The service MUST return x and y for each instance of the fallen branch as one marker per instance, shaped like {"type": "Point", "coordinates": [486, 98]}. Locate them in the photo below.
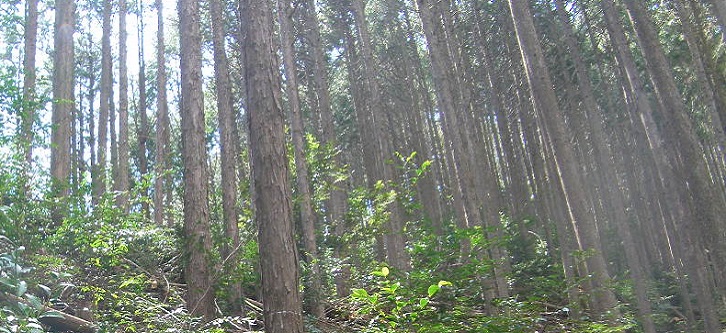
{"type": "Point", "coordinates": [62, 322]}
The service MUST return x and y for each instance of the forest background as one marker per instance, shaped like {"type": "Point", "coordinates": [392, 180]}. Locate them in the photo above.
{"type": "Point", "coordinates": [372, 166]}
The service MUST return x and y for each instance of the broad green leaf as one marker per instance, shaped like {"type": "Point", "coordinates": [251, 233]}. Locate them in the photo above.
{"type": "Point", "coordinates": [34, 301]}
{"type": "Point", "coordinates": [433, 289]}
{"type": "Point", "coordinates": [423, 302]}
{"type": "Point", "coordinates": [51, 314]}
{"type": "Point", "coordinates": [46, 290]}
{"type": "Point", "coordinates": [359, 293]}
{"type": "Point", "coordinates": [22, 288]}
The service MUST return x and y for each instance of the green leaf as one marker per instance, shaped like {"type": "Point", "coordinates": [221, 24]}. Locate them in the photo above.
{"type": "Point", "coordinates": [22, 288]}
{"type": "Point", "coordinates": [422, 303]}
{"type": "Point", "coordinates": [359, 293]}
{"type": "Point", "coordinates": [433, 289]}
{"type": "Point", "coordinates": [383, 272]}
{"type": "Point", "coordinates": [46, 290]}
{"type": "Point", "coordinates": [34, 301]}
{"type": "Point", "coordinates": [7, 282]}
{"type": "Point", "coordinates": [51, 314]}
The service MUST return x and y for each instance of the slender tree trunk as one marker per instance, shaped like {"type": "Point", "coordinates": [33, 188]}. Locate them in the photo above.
{"type": "Point", "coordinates": [143, 129]}
{"type": "Point", "coordinates": [198, 241]}
{"type": "Point", "coordinates": [163, 126]}
{"type": "Point", "coordinates": [337, 203]}
{"type": "Point", "coordinates": [395, 239]}
{"type": "Point", "coordinates": [228, 150]}
{"type": "Point", "coordinates": [121, 182]}
{"type": "Point", "coordinates": [278, 255]}
{"type": "Point", "coordinates": [606, 170]}
{"type": "Point", "coordinates": [546, 104]}
{"type": "Point", "coordinates": [707, 205]}
{"type": "Point", "coordinates": [63, 102]}
{"type": "Point", "coordinates": [307, 215]}
{"type": "Point", "coordinates": [99, 172]}
{"type": "Point", "coordinates": [29, 81]}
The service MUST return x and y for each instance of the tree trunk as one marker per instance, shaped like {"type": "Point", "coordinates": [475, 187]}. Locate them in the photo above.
{"type": "Point", "coordinates": [307, 216]}
{"type": "Point", "coordinates": [63, 102]}
{"type": "Point", "coordinates": [278, 255]}
{"type": "Point", "coordinates": [546, 104]}
{"type": "Point", "coordinates": [99, 172]}
{"type": "Point", "coordinates": [143, 129]}
{"type": "Point", "coordinates": [121, 182]}
{"type": "Point", "coordinates": [163, 126]}
{"type": "Point", "coordinates": [395, 239]}
{"type": "Point", "coordinates": [228, 151]}
{"type": "Point", "coordinates": [337, 203]}
{"type": "Point", "coordinates": [198, 241]}
{"type": "Point", "coordinates": [29, 81]}
{"type": "Point", "coordinates": [690, 163]}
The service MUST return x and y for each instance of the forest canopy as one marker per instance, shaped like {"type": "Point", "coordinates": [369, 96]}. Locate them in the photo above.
{"type": "Point", "coordinates": [362, 166]}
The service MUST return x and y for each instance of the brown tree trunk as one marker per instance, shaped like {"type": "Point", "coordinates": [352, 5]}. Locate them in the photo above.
{"type": "Point", "coordinates": [690, 163]}
{"type": "Point", "coordinates": [143, 130]}
{"type": "Point", "coordinates": [163, 126]}
{"type": "Point", "coordinates": [546, 104]}
{"type": "Point", "coordinates": [228, 151]}
{"type": "Point", "coordinates": [307, 216]}
{"type": "Point", "coordinates": [337, 203]}
{"type": "Point", "coordinates": [198, 241]}
{"type": "Point", "coordinates": [121, 181]}
{"type": "Point", "coordinates": [63, 102]}
{"type": "Point", "coordinates": [29, 81]}
{"type": "Point", "coordinates": [606, 169]}
{"type": "Point", "coordinates": [395, 239]}
{"type": "Point", "coordinates": [99, 172]}
{"type": "Point", "coordinates": [278, 254]}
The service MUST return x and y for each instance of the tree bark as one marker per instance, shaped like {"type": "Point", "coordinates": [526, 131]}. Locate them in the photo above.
{"type": "Point", "coordinates": [29, 81]}
{"type": "Point", "coordinates": [278, 255]}
{"type": "Point", "coordinates": [395, 239]}
{"type": "Point", "coordinates": [546, 105]}
{"type": "Point", "coordinates": [63, 102]}
{"type": "Point", "coordinates": [143, 129]}
{"type": "Point", "coordinates": [163, 126]}
{"type": "Point", "coordinates": [198, 241]}
{"type": "Point", "coordinates": [228, 150]}
{"type": "Point", "coordinates": [121, 182]}
{"type": "Point", "coordinates": [307, 216]}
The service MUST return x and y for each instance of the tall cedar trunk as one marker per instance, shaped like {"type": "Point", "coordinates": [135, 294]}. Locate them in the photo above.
{"type": "Point", "coordinates": [228, 150]}
{"type": "Point", "coordinates": [29, 71]}
{"type": "Point", "coordinates": [395, 239]}
{"type": "Point", "coordinates": [312, 295]}
{"type": "Point", "coordinates": [642, 115]}
{"type": "Point", "coordinates": [336, 205]}
{"type": "Point", "coordinates": [278, 254]}
{"type": "Point", "coordinates": [546, 104]}
{"type": "Point", "coordinates": [143, 128]}
{"type": "Point", "coordinates": [113, 135]}
{"type": "Point", "coordinates": [99, 172]}
{"type": "Point", "coordinates": [467, 213]}
{"type": "Point", "coordinates": [163, 126]}
{"type": "Point", "coordinates": [198, 241]}
{"type": "Point", "coordinates": [121, 182]}
{"type": "Point", "coordinates": [689, 23]}
{"type": "Point", "coordinates": [606, 172]}
{"type": "Point", "coordinates": [690, 164]}
{"type": "Point", "coordinates": [63, 102]}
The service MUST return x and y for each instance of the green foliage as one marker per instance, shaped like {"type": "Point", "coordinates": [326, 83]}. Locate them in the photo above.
{"type": "Point", "coordinates": [21, 310]}
{"type": "Point", "coordinates": [391, 307]}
